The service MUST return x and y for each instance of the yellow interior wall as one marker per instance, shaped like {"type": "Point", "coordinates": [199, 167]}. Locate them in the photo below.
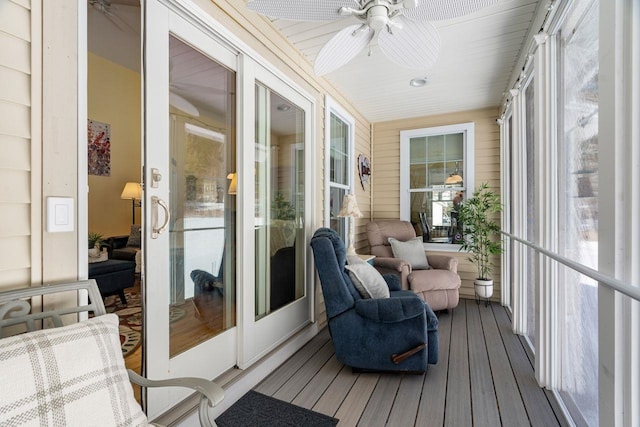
{"type": "Point", "coordinates": [114, 98]}
{"type": "Point", "coordinates": [385, 175]}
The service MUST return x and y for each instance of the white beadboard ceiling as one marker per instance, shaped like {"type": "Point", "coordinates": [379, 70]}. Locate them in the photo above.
{"type": "Point", "coordinates": [477, 58]}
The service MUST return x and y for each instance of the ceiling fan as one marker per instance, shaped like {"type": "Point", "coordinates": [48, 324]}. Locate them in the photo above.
{"type": "Point", "coordinates": [109, 9]}
{"type": "Point", "coordinates": [404, 34]}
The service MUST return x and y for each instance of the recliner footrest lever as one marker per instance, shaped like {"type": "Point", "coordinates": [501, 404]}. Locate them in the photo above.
{"type": "Point", "coordinates": [399, 358]}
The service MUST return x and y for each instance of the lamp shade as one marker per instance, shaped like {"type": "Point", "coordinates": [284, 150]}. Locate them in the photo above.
{"type": "Point", "coordinates": [233, 185]}
{"type": "Point", "coordinates": [132, 190]}
{"type": "Point", "coordinates": [453, 179]}
{"type": "Point", "coordinates": [350, 207]}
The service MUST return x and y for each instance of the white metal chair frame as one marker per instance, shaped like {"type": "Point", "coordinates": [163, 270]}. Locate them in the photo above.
{"type": "Point", "coordinates": [15, 309]}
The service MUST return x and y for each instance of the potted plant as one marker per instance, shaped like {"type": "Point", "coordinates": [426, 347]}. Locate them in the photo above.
{"type": "Point", "coordinates": [481, 239]}
{"type": "Point", "coordinates": [94, 242]}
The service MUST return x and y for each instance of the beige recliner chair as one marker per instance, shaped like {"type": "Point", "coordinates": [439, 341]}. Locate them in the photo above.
{"type": "Point", "coordinates": [437, 286]}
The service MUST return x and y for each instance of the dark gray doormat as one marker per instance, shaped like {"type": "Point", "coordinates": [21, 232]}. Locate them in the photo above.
{"type": "Point", "coordinates": [258, 410]}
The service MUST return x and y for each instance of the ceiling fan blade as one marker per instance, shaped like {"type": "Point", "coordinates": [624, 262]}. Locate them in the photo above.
{"type": "Point", "coordinates": [436, 10]}
{"type": "Point", "coordinates": [342, 48]}
{"type": "Point", "coordinates": [182, 104]}
{"type": "Point", "coordinates": [302, 10]}
{"type": "Point", "coordinates": [190, 87]}
{"type": "Point", "coordinates": [415, 46]}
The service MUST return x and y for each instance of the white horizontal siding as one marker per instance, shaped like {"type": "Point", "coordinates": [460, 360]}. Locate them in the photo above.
{"type": "Point", "coordinates": [20, 224]}
{"type": "Point", "coordinates": [15, 144]}
{"type": "Point", "coordinates": [15, 20]}
{"type": "Point", "coordinates": [16, 119]}
{"type": "Point", "coordinates": [24, 3]}
{"type": "Point", "coordinates": [15, 86]}
{"type": "Point", "coordinates": [13, 279]}
{"type": "Point", "coordinates": [15, 53]}
{"type": "Point", "coordinates": [15, 253]}
{"type": "Point", "coordinates": [16, 153]}
{"type": "Point", "coordinates": [15, 187]}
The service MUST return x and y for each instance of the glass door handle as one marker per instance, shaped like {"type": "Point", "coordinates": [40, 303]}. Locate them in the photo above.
{"type": "Point", "coordinates": [155, 202]}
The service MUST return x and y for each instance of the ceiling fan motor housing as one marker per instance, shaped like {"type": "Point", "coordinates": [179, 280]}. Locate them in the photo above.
{"type": "Point", "coordinates": [377, 16]}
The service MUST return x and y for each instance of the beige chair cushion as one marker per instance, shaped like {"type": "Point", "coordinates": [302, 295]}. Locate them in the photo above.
{"type": "Point", "coordinates": [431, 280]}
{"type": "Point", "coordinates": [438, 286]}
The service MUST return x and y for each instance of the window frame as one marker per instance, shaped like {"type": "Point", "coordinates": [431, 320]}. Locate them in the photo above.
{"type": "Point", "coordinates": [468, 144]}
{"type": "Point", "coordinates": [333, 108]}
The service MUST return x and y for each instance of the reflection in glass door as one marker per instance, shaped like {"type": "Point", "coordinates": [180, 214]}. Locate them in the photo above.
{"type": "Point", "coordinates": [339, 172]}
{"type": "Point", "coordinates": [202, 227]}
{"type": "Point", "coordinates": [279, 198]}
{"type": "Point", "coordinates": [190, 149]}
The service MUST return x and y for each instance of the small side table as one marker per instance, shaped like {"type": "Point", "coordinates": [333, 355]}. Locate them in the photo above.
{"type": "Point", "coordinates": [367, 258]}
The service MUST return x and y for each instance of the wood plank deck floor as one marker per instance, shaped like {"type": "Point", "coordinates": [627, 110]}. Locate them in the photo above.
{"type": "Point", "coordinates": [483, 378]}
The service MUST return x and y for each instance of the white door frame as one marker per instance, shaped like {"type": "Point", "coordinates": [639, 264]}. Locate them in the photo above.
{"type": "Point", "coordinates": [197, 361]}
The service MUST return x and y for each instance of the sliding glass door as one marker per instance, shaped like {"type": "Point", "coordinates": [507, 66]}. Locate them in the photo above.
{"type": "Point", "coordinates": [276, 168]}
{"type": "Point", "coordinates": [190, 211]}
{"type": "Point", "coordinates": [226, 158]}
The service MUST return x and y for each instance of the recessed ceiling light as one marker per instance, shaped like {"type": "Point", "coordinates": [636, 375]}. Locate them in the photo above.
{"type": "Point", "coordinates": [418, 82]}
{"type": "Point", "coordinates": [284, 107]}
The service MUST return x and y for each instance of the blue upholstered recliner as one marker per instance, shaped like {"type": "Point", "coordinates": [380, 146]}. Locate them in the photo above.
{"type": "Point", "coordinates": [398, 333]}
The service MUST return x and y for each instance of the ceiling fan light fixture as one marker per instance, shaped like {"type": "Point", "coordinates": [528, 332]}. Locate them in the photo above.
{"type": "Point", "coordinates": [284, 107]}
{"type": "Point", "coordinates": [377, 17]}
{"type": "Point", "coordinates": [418, 82]}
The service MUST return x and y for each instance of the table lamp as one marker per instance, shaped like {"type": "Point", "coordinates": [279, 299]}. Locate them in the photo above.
{"type": "Point", "coordinates": [133, 191]}
{"type": "Point", "coordinates": [350, 210]}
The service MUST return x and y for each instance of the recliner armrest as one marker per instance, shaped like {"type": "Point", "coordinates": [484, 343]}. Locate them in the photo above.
{"type": "Point", "coordinates": [390, 310]}
{"type": "Point", "coordinates": [396, 264]}
{"type": "Point", "coordinates": [443, 262]}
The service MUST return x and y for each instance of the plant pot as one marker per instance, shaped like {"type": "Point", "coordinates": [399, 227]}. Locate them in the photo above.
{"type": "Point", "coordinates": [94, 252]}
{"type": "Point", "coordinates": [483, 288]}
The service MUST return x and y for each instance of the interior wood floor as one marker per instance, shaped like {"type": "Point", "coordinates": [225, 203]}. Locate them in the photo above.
{"type": "Point", "coordinates": [484, 377]}
{"type": "Point", "coordinates": [202, 320]}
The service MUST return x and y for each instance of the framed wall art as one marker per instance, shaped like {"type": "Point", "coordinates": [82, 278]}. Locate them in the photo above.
{"type": "Point", "coordinates": [99, 148]}
{"type": "Point", "coordinates": [364, 170]}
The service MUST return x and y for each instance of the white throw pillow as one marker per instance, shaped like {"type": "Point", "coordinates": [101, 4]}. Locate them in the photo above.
{"type": "Point", "coordinates": [367, 280]}
{"type": "Point", "coordinates": [412, 251]}
{"type": "Point", "coordinates": [73, 375]}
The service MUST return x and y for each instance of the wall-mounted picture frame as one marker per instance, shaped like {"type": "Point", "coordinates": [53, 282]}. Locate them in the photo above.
{"type": "Point", "coordinates": [99, 148]}
{"type": "Point", "coordinates": [364, 170]}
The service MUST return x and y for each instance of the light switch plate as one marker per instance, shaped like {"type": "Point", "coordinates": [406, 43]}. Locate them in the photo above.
{"type": "Point", "coordinates": [60, 214]}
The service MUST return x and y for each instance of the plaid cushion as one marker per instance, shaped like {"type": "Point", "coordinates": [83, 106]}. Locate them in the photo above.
{"type": "Point", "coordinates": [69, 376]}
